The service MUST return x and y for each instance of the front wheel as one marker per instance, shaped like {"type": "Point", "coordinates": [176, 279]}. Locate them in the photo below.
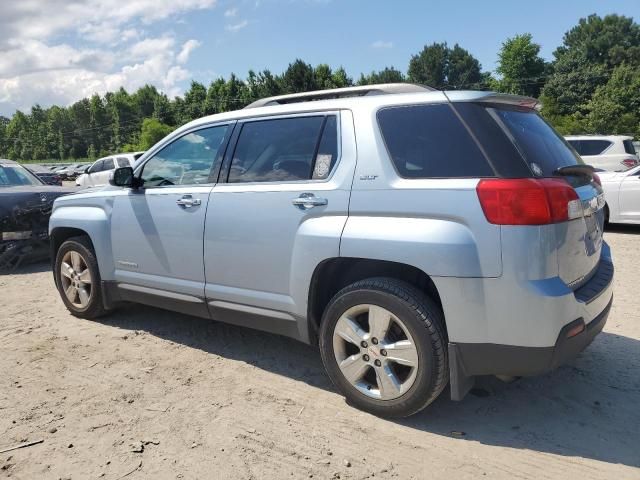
{"type": "Point", "coordinates": [383, 344]}
{"type": "Point", "coordinates": [78, 278]}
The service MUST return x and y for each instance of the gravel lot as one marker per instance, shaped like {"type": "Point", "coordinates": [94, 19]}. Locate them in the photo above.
{"type": "Point", "coordinates": [150, 394]}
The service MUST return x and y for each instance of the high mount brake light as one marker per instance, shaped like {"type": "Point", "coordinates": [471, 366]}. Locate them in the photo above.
{"type": "Point", "coordinates": [528, 201]}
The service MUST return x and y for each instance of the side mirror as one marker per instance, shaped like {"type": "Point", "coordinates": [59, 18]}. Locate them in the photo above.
{"type": "Point", "coordinates": [122, 177]}
{"type": "Point", "coordinates": [86, 170]}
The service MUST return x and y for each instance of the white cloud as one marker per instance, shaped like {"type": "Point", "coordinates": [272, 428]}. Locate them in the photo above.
{"type": "Point", "coordinates": [382, 44]}
{"type": "Point", "coordinates": [237, 26]}
{"type": "Point", "coordinates": [58, 51]}
{"type": "Point", "coordinates": [188, 47]}
{"type": "Point", "coordinates": [231, 12]}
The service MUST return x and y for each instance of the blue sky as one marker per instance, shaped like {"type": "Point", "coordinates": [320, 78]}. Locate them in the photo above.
{"type": "Point", "coordinates": [57, 51]}
{"type": "Point", "coordinates": [345, 33]}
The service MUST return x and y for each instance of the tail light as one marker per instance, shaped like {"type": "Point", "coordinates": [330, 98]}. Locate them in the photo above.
{"type": "Point", "coordinates": [629, 162]}
{"type": "Point", "coordinates": [528, 201]}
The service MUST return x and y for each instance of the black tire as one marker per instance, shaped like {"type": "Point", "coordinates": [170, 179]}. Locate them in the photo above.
{"type": "Point", "coordinates": [422, 317]}
{"type": "Point", "coordinates": [94, 307]}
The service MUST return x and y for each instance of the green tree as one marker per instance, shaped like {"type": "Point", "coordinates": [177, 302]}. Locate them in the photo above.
{"type": "Point", "coordinates": [152, 132]}
{"type": "Point", "coordinates": [388, 75]}
{"type": "Point", "coordinates": [299, 77]}
{"type": "Point", "coordinates": [615, 107]}
{"type": "Point", "coordinates": [442, 67]}
{"type": "Point", "coordinates": [585, 61]}
{"type": "Point", "coordinates": [520, 66]}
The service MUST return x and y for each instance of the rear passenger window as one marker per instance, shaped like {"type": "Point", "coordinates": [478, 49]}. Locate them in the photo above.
{"type": "Point", "coordinates": [286, 149]}
{"type": "Point", "coordinates": [429, 141]}
{"type": "Point", "coordinates": [590, 147]}
{"type": "Point", "coordinates": [123, 162]}
{"type": "Point", "coordinates": [108, 164]}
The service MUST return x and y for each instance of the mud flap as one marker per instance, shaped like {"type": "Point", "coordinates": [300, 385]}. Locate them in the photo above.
{"type": "Point", "coordinates": [460, 383]}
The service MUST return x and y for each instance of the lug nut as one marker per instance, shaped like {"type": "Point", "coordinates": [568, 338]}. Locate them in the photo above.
{"type": "Point", "coordinates": [365, 357]}
{"type": "Point", "coordinates": [364, 344]}
{"type": "Point", "coordinates": [374, 340]}
{"type": "Point", "coordinates": [377, 363]}
{"type": "Point", "coordinates": [383, 352]}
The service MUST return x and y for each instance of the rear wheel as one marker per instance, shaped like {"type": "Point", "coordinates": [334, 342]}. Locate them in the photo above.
{"type": "Point", "coordinates": [78, 278]}
{"type": "Point", "coordinates": [383, 345]}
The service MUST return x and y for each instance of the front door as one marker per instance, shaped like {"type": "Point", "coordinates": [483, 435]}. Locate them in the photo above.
{"type": "Point", "coordinates": [280, 211]}
{"type": "Point", "coordinates": [630, 197]}
{"type": "Point", "coordinates": [157, 230]}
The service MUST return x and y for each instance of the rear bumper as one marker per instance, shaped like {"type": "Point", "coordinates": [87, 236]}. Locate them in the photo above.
{"type": "Point", "coordinates": [467, 360]}
{"type": "Point", "coordinates": [511, 360]}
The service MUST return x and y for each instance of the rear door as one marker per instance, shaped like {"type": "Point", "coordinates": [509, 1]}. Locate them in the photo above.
{"type": "Point", "coordinates": [280, 206]}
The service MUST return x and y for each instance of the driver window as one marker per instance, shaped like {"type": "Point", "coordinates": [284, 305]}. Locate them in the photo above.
{"type": "Point", "coordinates": [96, 167]}
{"type": "Point", "coordinates": [186, 161]}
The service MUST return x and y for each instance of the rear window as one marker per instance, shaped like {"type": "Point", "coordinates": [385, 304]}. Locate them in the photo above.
{"type": "Point", "coordinates": [590, 147]}
{"type": "Point", "coordinates": [429, 141]}
{"type": "Point", "coordinates": [541, 146]}
{"type": "Point", "coordinates": [629, 147]}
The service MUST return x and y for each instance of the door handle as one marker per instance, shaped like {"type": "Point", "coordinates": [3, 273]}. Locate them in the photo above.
{"type": "Point", "coordinates": [308, 200]}
{"type": "Point", "coordinates": [187, 201]}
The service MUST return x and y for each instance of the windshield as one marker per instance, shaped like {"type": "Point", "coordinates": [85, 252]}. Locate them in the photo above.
{"type": "Point", "coordinates": [17, 176]}
{"type": "Point", "coordinates": [544, 150]}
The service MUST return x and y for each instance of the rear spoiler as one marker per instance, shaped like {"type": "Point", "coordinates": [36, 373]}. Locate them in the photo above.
{"type": "Point", "coordinates": [494, 97]}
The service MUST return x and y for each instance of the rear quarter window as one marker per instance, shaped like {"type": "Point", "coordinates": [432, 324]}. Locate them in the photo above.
{"type": "Point", "coordinates": [629, 147]}
{"type": "Point", "coordinates": [430, 141]}
{"type": "Point", "coordinates": [542, 148]}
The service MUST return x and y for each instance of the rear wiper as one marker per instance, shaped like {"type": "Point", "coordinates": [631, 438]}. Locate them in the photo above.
{"type": "Point", "coordinates": [575, 170]}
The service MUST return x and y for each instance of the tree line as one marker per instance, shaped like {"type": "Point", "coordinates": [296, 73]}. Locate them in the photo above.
{"type": "Point", "coordinates": [592, 85]}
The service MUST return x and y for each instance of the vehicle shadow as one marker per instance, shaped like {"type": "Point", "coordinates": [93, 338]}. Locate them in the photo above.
{"type": "Point", "coordinates": [587, 409]}
{"type": "Point", "coordinates": [28, 267]}
{"type": "Point", "coordinates": [622, 228]}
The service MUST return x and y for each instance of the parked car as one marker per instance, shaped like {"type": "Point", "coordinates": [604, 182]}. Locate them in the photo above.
{"type": "Point", "coordinates": [98, 173]}
{"type": "Point", "coordinates": [622, 192]}
{"type": "Point", "coordinates": [419, 237]}
{"type": "Point", "coordinates": [45, 174]}
{"type": "Point", "coordinates": [615, 153]}
{"type": "Point", "coordinates": [72, 171]}
{"type": "Point", "coordinates": [25, 206]}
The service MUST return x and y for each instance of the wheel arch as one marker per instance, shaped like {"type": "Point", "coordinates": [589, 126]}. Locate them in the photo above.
{"type": "Point", "coordinates": [333, 274]}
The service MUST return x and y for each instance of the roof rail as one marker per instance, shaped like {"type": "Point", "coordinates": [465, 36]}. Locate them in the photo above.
{"type": "Point", "coordinates": [365, 90]}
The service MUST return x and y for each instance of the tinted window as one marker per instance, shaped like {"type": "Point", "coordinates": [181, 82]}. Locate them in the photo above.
{"type": "Point", "coordinates": [123, 162]}
{"type": "Point", "coordinates": [430, 141]}
{"type": "Point", "coordinates": [590, 147]}
{"type": "Point", "coordinates": [186, 161]}
{"type": "Point", "coordinates": [108, 164]}
{"type": "Point", "coordinates": [278, 150]}
{"type": "Point", "coordinates": [542, 148]}
{"type": "Point", "coordinates": [97, 167]}
{"type": "Point", "coordinates": [15, 175]}
{"type": "Point", "coordinates": [629, 147]}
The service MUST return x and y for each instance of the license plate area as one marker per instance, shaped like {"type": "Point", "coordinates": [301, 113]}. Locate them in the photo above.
{"type": "Point", "coordinates": [593, 237]}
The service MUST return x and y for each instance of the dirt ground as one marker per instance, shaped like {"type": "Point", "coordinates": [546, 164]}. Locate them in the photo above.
{"type": "Point", "coordinates": [145, 393]}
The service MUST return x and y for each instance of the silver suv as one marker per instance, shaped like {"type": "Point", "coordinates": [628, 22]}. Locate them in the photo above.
{"type": "Point", "coordinates": [421, 238]}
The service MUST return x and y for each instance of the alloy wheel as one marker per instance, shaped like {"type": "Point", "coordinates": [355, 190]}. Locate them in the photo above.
{"type": "Point", "coordinates": [375, 352]}
{"type": "Point", "coordinates": [75, 278]}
